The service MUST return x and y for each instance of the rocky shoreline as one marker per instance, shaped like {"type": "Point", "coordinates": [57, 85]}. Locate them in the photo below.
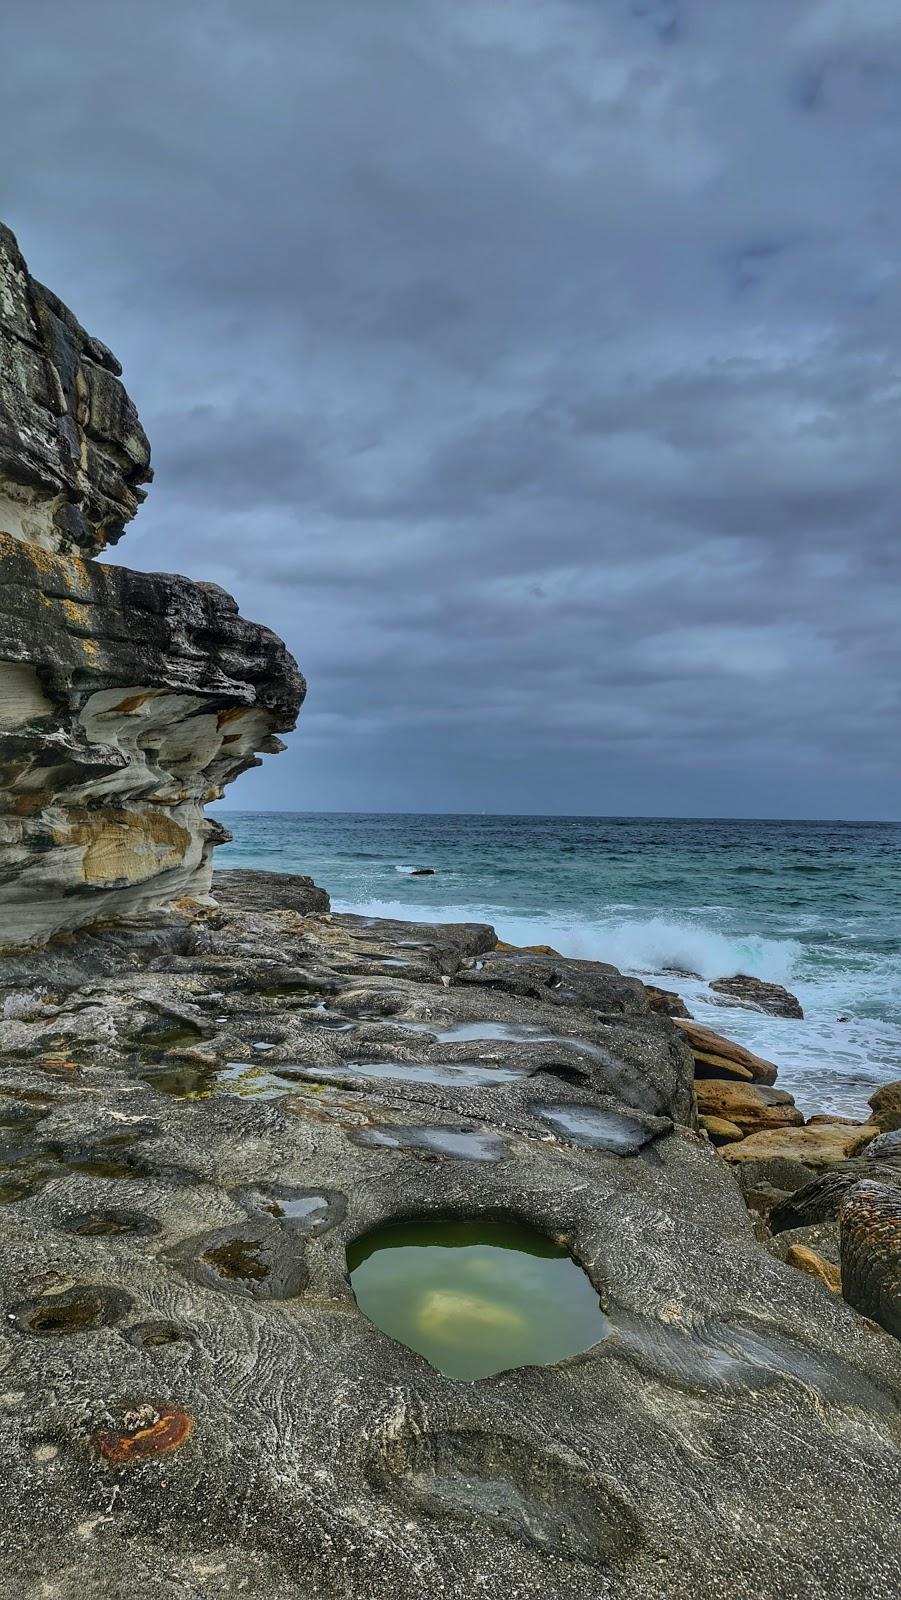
{"type": "Point", "coordinates": [212, 1094]}
{"type": "Point", "coordinates": [191, 1392]}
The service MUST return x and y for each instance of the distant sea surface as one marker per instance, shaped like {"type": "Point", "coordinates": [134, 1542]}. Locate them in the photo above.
{"type": "Point", "coordinates": [812, 905]}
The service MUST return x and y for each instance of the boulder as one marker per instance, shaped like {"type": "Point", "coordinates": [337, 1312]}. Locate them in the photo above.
{"type": "Point", "coordinates": [749, 1105]}
{"type": "Point", "coordinates": [715, 1055]}
{"type": "Point", "coordinates": [815, 1147]}
{"type": "Point", "coordinates": [758, 995]}
{"type": "Point", "coordinates": [884, 1147]}
{"type": "Point", "coordinates": [775, 1171]}
{"type": "Point", "coordinates": [73, 455]}
{"type": "Point", "coordinates": [886, 1104]}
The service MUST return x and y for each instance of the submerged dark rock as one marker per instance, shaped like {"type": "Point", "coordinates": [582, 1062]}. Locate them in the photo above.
{"type": "Point", "coordinates": [759, 995]}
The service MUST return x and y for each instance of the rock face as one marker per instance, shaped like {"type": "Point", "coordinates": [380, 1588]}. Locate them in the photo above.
{"type": "Point", "coordinates": [127, 700]}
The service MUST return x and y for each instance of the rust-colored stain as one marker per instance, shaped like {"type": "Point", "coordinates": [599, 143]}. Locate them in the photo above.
{"type": "Point", "coordinates": [58, 1066]}
{"type": "Point", "coordinates": [150, 1431]}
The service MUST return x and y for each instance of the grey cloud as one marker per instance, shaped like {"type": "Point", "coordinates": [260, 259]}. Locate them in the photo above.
{"type": "Point", "coordinates": [533, 368]}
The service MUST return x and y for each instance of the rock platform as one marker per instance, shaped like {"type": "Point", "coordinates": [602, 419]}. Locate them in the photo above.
{"type": "Point", "coordinates": [193, 1403]}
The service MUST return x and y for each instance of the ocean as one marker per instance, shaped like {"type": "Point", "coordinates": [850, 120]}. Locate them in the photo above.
{"type": "Point", "coordinates": [812, 905]}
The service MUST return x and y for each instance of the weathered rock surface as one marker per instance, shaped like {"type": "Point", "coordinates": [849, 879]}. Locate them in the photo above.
{"type": "Point", "coordinates": [127, 700]}
{"type": "Point", "coordinates": [194, 1403]}
{"type": "Point", "coordinates": [758, 995]}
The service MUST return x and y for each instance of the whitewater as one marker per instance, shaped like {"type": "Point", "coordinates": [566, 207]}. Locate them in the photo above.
{"type": "Point", "coordinates": [678, 902]}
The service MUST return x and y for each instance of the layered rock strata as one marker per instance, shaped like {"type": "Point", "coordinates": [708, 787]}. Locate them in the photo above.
{"type": "Point", "coordinates": [127, 700]}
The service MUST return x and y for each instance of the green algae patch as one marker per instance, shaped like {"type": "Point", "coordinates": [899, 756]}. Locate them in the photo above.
{"type": "Point", "coordinates": [475, 1297]}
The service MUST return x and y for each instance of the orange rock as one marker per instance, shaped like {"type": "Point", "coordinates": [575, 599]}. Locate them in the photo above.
{"type": "Point", "coordinates": [748, 1105]}
{"type": "Point", "coordinates": [810, 1261]}
{"type": "Point", "coordinates": [886, 1104]}
{"type": "Point", "coordinates": [704, 1042]}
{"type": "Point", "coordinates": [820, 1146]}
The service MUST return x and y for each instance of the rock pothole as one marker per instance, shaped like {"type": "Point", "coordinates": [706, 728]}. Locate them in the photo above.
{"type": "Point", "coordinates": [475, 1296]}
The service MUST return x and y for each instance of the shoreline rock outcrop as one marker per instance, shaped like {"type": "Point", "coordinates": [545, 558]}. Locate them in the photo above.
{"type": "Point", "coordinates": [128, 700]}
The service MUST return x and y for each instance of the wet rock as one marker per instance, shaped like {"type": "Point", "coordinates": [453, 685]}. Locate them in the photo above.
{"type": "Point", "coordinates": [886, 1104]}
{"type": "Point", "coordinates": [870, 1234]}
{"type": "Point", "coordinates": [820, 1199]}
{"type": "Point", "coordinates": [148, 1429]}
{"type": "Point", "coordinates": [758, 995]}
{"type": "Point", "coordinates": [716, 1057]}
{"type": "Point", "coordinates": [82, 1309]}
{"type": "Point", "coordinates": [750, 1106]}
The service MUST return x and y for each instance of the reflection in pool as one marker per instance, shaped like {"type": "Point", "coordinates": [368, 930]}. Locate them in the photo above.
{"type": "Point", "coordinates": [613, 1131]}
{"type": "Point", "coordinates": [465, 1143]}
{"type": "Point", "coordinates": [475, 1297]}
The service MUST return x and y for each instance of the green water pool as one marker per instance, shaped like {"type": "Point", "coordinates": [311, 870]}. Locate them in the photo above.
{"type": "Point", "coordinates": [475, 1297]}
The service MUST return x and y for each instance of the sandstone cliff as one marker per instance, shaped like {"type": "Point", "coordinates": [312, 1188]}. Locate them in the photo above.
{"type": "Point", "coordinates": [127, 699]}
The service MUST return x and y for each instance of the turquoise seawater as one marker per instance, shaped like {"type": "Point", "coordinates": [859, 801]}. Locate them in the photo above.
{"type": "Point", "coordinates": [812, 905]}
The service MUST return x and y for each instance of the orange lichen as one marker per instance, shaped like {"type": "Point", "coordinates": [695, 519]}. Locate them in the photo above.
{"type": "Point", "coordinates": [75, 613]}
{"type": "Point", "coordinates": [149, 1431]}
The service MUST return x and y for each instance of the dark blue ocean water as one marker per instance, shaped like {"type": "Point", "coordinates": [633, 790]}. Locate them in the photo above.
{"type": "Point", "coordinates": [812, 905]}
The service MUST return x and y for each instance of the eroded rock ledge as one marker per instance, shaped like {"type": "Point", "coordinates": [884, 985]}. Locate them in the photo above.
{"type": "Point", "coordinates": [127, 699]}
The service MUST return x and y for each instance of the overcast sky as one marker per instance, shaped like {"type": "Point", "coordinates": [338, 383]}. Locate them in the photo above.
{"type": "Point", "coordinates": [532, 366]}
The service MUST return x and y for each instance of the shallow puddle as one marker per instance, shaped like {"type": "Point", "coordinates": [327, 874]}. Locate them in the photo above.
{"type": "Point", "coordinates": [462, 1074]}
{"type": "Point", "coordinates": [597, 1129]}
{"type": "Point", "coordinates": [237, 1077]}
{"type": "Point", "coordinates": [461, 1142]}
{"type": "Point", "coordinates": [505, 1032]}
{"type": "Point", "coordinates": [475, 1297]}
